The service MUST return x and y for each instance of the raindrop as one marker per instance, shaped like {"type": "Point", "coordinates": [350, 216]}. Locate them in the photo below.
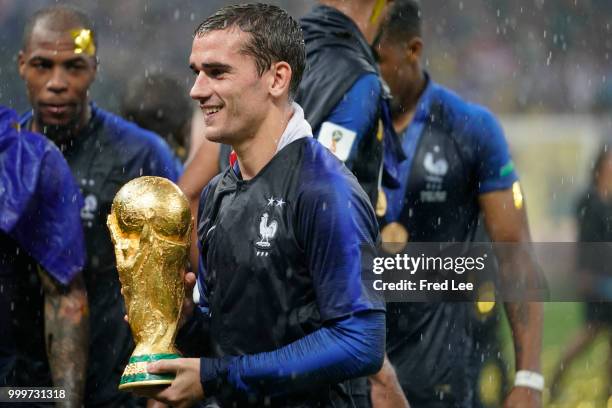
{"type": "Point", "coordinates": [177, 14]}
{"type": "Point", "coordinates": [549, 57]}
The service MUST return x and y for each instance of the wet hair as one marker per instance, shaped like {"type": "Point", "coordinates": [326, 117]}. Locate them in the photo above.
{"type": "Point", "coordinates": [58, 18]}
{"type": "Point", "coordinates": [403, 22]}
{"type": "Point", "coordinates": [274, 36]}
{"type": "Point", "coordinates": [160, 103]}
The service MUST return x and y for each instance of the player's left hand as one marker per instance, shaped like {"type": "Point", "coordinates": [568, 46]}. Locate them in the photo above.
{"type": "Point", "coordinates": [523, 397]}
{"type": "Point", "coordinates": [186, 389]}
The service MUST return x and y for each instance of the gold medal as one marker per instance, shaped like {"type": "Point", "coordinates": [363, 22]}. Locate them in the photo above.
{"type": "Point", "coordinates": [394, 237]}
{"type": "Point", "coordinates": [490, 383]}
{"type": "Point", "coordinates": [381, 203]}
{"type": "Point", "coordinates": [517, 194]}
{"type": "Point", "coordinates": [380, 132]}
{"type": "Point", "coordinates": [486, 296]}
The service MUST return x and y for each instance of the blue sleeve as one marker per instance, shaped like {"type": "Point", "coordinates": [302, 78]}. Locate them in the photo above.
{"type": "Point", "coordinates": [192, 337]}
{"type": "Point", "coordinates": [495, 168]}
{"type": "Point", "coordinates": [357, 110]}
{"type": "Point", "coordinates": [337, 228]}
{"type": "Point", "coordinates": [202, 230]}
{"type": "Point", "coordinates": [347, 348]}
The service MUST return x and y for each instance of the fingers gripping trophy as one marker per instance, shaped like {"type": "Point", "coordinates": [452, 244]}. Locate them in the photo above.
{"type": "Point", "coordinates": [150, 225]}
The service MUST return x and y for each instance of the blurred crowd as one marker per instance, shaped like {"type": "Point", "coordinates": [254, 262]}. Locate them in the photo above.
{"type": "Point", "coordinates": [524, 56]}
{"type": "Point", "coordinates": [513, 56]}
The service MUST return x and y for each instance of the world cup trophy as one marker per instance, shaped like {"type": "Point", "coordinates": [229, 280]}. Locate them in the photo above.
{"type": "Point", "coordinates": [150, 225]}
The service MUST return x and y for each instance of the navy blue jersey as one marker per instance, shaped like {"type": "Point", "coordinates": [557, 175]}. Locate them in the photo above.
{"type": "Point", "coordinates": [281, 254]}
{"type": "Point", "coordinates": [39, 226]}
{"type": "Point", "coordinates": [455, 152]}
{"type": "Point", "coordinates": [105, 155]}
{"type": "Point", "coordinates": [345, 101]}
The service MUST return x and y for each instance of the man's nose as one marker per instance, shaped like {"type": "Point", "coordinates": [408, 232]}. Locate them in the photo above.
{"type": "Point", "coordinates": [201, 89]}
{"type": "Point", "coordinates": [58, 82]}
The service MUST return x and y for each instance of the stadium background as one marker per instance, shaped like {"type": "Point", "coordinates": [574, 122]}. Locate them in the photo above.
{"type": "Point", "coordinates": [542, 65]}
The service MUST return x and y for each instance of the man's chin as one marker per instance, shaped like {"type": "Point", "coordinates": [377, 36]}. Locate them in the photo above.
{"type": "Point", "coordinates": [58, 132]}
{"type": "Point", "coordinates": [215, 137]}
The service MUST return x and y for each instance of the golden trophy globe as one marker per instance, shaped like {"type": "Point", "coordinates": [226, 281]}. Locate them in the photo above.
{"type": "Point", "coordinates": [150, 225]}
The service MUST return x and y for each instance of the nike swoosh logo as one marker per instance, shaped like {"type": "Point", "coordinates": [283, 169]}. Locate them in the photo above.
{"type": "Point", "coordinates": [210, 230]}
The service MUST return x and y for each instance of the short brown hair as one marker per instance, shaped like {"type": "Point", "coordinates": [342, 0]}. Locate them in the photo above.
{"type": "Point", "coordinates": [275, 36]}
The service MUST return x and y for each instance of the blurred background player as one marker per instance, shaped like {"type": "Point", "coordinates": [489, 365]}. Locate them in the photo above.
{"type": "Point", "coordinates": [594, 214]}
{"type": "Point", "coordinates": [457, 166]}
{"type": "Point", "coordinates": [43, 302]}
{"type": "Point", "coordinates": [159, 103]}
{"type": "Point", "coordinates": [347, 105]}
{"type": "Point", "coordinates": [58, 64]}
{"type": "Point", "coordinates": [343, 96]}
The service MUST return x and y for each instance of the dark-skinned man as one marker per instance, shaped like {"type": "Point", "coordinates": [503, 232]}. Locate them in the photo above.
{"type": "Point", "coordinates": [58, 63]}
{"type": "Point", "coordinates": [458, 166]}
{"type": "Point", "coordinates": [346, 102]}
{"type": "Point", "coordinates": [342, 93]}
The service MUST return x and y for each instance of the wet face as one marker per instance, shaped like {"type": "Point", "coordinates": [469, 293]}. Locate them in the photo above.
{"type": "Point", "coordinates": [233, 97]}
{"type": "Point", "coordinates": [400, 69]}
{"type": "Point", "coordinates": [57, 78]}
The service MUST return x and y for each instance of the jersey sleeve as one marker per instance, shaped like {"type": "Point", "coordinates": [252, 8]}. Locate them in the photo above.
{"type": "Point", "coordinates": [351, 119]}
{"type": "Point", "coordinates": [494, 165]}
{"type": "Point", "coordinates": [192, 338]}
{"type": "Point", "coordinates": [337, 229]}
{"type": "Point", "coordinates": [203, 225]}
{"type": "Point", "coordinates": [347, 348]}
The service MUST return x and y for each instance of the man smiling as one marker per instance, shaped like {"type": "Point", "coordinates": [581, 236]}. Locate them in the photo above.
{"type": "Point", "coordinates": [280, 233]}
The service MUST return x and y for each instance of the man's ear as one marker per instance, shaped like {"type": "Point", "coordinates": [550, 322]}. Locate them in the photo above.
{"type": "Point", "coordinates": [21, 63]}
{"type": "Point", "coordinates": [414, 49]}
{"type": "Point", "coordinates": [281, 78]}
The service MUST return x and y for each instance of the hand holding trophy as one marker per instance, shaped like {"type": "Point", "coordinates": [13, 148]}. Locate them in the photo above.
{"type": "Point", "coordinates": [150, 225]}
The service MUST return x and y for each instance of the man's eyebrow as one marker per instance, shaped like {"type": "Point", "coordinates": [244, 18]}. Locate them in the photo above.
{"type": "Point", "coordinates": [38, 58]}
{"type": "Point", "coordinates": [75, 60]}
{"type": "Point", "coordinates": [42, 58]}
{"type": "Point", "coordinates": [217, 65]}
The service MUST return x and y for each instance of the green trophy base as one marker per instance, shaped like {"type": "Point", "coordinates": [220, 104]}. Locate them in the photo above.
{"type": "Point", "coordinates": [135, 373]}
